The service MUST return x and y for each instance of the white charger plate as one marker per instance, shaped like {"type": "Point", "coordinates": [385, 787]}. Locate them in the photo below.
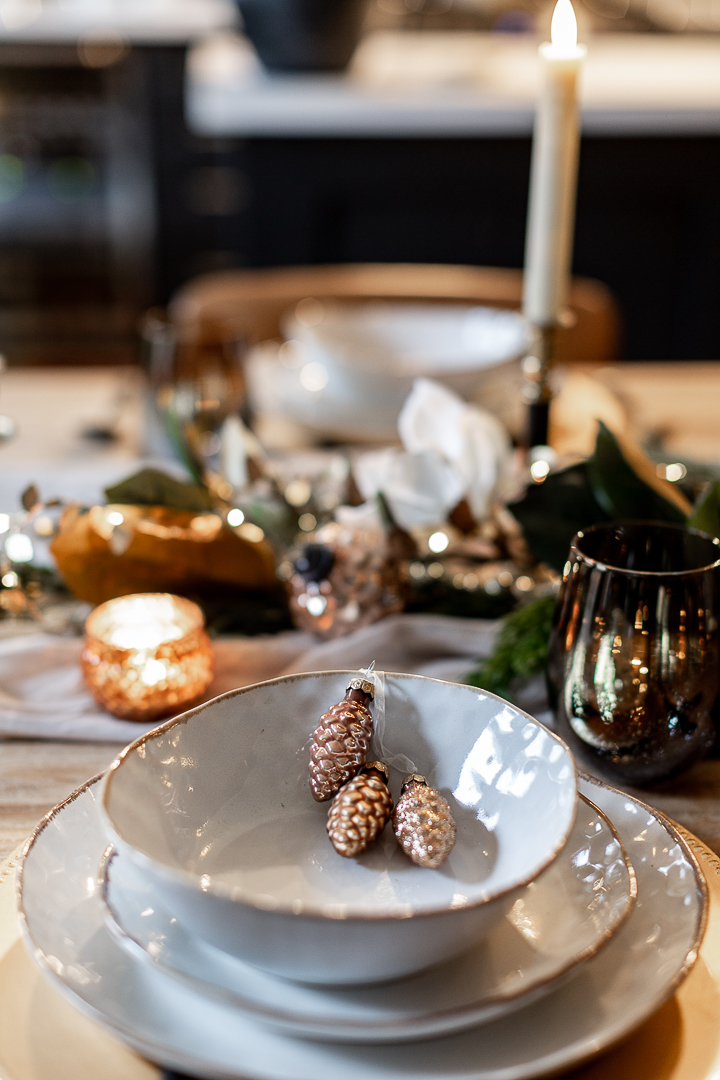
{"type": "Point", "coordinates": [564, 918]}
{"type": "Point", "coordinates": [63, 925]}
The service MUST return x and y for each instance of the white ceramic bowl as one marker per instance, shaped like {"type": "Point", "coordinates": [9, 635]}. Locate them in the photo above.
{"type": "Point", "coordinates": [348, 375]}
{"type": "Point", "coordinates": [216, 810]}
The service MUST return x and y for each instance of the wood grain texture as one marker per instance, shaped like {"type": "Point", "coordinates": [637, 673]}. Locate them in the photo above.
{"type": "Point", "coordinates": [34, 776]}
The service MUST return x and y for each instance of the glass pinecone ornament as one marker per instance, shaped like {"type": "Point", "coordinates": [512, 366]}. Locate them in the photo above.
{"type": "Point", "coordinates": [348, 578]}
{"type": "Point", "coordinates": [360, 811]}
{"type": "Point", "coordinates": [423, 823]}
{"type": "Point", "coordinates": [341, 741]}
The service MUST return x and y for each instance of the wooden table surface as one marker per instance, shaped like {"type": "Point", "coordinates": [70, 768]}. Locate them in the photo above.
{"type": "Point", "coordinates": [35, 775]}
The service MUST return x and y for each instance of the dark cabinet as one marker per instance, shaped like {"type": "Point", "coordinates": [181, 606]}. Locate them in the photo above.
{"type": "Point", "coordinates": [108, 203]}
{"type": "Point", "coordinates": [648, 220]}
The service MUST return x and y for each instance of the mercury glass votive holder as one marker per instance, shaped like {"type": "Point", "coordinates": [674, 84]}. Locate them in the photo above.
{"type": "Point", "coordinates": [634, 658]}
{"type": "Point", "coordinates": [147, 656]}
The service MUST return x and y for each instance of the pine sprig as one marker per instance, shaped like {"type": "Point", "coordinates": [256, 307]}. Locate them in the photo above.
{"type": "Point", "coordinates": [520, 650]}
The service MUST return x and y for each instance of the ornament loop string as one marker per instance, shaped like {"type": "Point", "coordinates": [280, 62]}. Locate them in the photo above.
{"type": "Point", "coordinates": [398, 761]}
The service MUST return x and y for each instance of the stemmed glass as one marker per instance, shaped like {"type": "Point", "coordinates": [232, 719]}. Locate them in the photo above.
{"type": "Point", "coordinates": [198, 389]}
{"type": "Point", "coordinates": [634, 661]}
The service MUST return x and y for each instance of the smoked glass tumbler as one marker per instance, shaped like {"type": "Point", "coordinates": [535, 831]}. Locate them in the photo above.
{"type": "Point", "coordinates": [634, 660]}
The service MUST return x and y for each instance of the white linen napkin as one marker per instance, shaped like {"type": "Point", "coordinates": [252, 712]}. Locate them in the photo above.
{"type": "Point", "coordinates": [450, 450]}
{"type": "Point", "coordinates": [42, 695]}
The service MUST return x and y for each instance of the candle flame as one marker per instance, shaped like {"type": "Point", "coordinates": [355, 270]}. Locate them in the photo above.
{"type": "Point", "coordinates": [563, 29]}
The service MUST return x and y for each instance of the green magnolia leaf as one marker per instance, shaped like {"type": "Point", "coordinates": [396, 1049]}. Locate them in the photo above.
{"type": "Point", "coordinates": [176, 432]}
{"type": "Point", "coordinates": [274, 516]}
{"type": "Point", "coordinates": [706, 513]}
{"type": "Point", "coordinates": [619, 490]}
{"type": "Point", "coordinates": [150, 487]}
{"type": "Point", "coordinates": [604, 488]}
{"type": "Point", "coordinates": [552, 512]}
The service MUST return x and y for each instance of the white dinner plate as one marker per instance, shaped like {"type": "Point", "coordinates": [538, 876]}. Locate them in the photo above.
{"type": "Point", "coordinates": [564, 917]}
{"type": "Point", "coordinates": [64, 928]}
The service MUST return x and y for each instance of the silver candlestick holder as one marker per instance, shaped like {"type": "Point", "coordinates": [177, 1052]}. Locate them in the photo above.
{"type": "Point", "coordinates": [537, 391]}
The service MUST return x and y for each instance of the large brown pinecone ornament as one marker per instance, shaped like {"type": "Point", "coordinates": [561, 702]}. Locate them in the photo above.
{"type": "Point", "coordinates": [361, 811]}
{"type": "Point", "coordinates": [423, 823]}
{"type": "Point", "coordinates": [341, 741]}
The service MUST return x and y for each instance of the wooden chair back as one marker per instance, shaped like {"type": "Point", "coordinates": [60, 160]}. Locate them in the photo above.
{"type": "Point", "coordinates": [250, 303]}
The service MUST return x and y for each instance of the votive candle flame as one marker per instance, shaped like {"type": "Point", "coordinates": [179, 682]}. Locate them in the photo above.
{"type": "Point", "coordinates": [147, 656]}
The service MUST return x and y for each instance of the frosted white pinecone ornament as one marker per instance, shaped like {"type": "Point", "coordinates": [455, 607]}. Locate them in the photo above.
{"type": "Point", "coordinates": [423, 823]}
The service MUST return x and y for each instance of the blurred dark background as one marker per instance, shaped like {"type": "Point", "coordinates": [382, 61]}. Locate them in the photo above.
{"type": "Point", "coordinates": [108, 203]}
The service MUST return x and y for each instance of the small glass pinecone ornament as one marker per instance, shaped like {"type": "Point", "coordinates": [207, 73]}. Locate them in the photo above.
{"type": "Point", "coordinates": [360, 811]}
{"type": "Point", "coordinates": [423, 823]}
{"type": "Point", "coordinates": [341, 741]}
{"type": "Point", "coordinates": [349, 576]}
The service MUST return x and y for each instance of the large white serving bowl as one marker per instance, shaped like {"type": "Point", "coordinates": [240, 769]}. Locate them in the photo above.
{"type": "Point", "coordinates": [347, 375]}
{"type": "Point", "coordinates": [215, 808]}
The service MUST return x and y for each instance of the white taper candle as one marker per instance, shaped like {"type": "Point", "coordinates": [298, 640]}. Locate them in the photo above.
{"type": "Point", "coordinates": [553, 173]}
